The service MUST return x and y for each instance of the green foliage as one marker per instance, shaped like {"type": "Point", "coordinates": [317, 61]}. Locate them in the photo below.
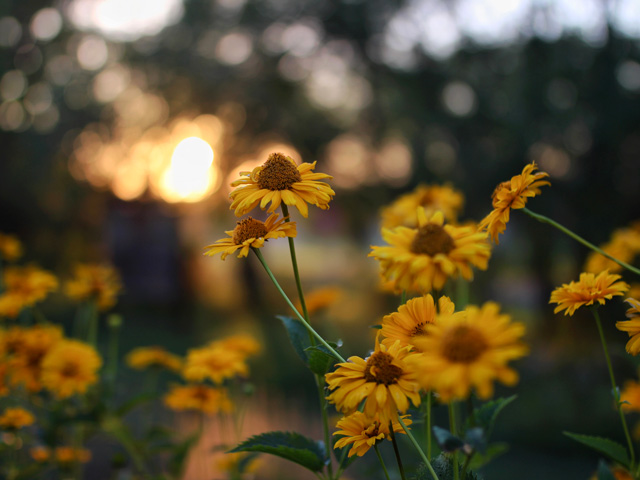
{"type": "Point", "coordinates": [476, 439]}
{"type": "Point", "coordinates": [443, 466]}
{"type": "Point", "coordinates": [485, 416]}
{"type": "Point", "coordinates": [493, 450]}
{"type": "Point", "coordinates": [180, 453]}
{"type": "Point", "coordinates": [298, 336]}
{"type": "Point", "coordinates": [290, 445]}
{"type": "Point", "coordinates": [611, 449]}
{"type": "Point", "coordinates": [446, 440]}
{"type": "Point", "coordinates": [320, 359]}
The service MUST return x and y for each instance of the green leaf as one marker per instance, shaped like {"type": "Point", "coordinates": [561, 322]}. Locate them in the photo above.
{"type": "Point", "coordinates": [611, 449]}
{"type": "Point", "coordinates": [177, 462]}
{"type": "Point", "coordinates": [446, 440]}
{"type": "Point", "coordinates": [290, 445]}
{"type": "Point", "coordinates": [486, 415]}
{"type": "Point", "coordinates": [298, 336]}
{"type": "Point", "coordinates": [320, 358]}
{"type": "Point", "coordinates": [474, 437]}
{"type": "Point", "coordinates": [604, 472]}
{"type": "Point", "coordinates": [493, 450]}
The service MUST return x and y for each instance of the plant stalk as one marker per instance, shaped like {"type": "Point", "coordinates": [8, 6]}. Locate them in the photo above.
{"type": "Point", "coordinates": [417, 447]}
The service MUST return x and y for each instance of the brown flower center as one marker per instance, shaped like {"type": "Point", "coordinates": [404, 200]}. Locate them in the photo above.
{"type": "Point", "coordinates": [70, 370]}
{"type": "Point", "coordinates": [201, 394]}
{"type": "Point", "coordinates": [248, 228]}
{"type": "Point", "coordinates": [463, 344]}
{"type": "Point", "coordinates": [379, 369]}
{"type": "Point", "coordinates": [431, 240]}
{"type": "Point", "coordinates": [372, 430]}
{"type": "Point", "coordinates": [417, 330]}
{"type": "Point", "coordinates": [278, 173]}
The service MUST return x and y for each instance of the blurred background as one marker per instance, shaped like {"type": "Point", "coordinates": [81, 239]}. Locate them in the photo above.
{"type": "Point", "coordinates": [122, 123]}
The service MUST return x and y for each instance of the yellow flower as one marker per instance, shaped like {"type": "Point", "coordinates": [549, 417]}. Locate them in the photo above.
{"type": "Point", "coordinates": [67, 455]}
{"type": "Point", "coordinates": [279, 180]}
{"type": "Point", "coordinates": [214, 363]}
{"type": "Point", "coordinates": [100, 283]}
{"type": "Point", "coordinates": [632, 326]}
{"type": "Point", "coordinates": [434, 198]}
{"type": "Point", "coordinates": [40, 454]}
{"type": "Point", "coordinates": [251, 233]}
{"type": "Point", "coordinates": [10, 247]}
{"type": "Point", "coordinates": [319, 298]}
{"type": "Point", "coordinates": [198, 397]}
{"type": "Point", "coordinates": [362, 432]}
{"type": "Point", "coordinates": [243, 344]}
{"type": "Point", "coordinates": [634, 290]}
{"type": "Point", "coordinates": [237, 463]}
{"type": "Point", "coordinates": [624, 245]}
{"type": "Point", "coordinates": [514, 194]}
{"type": "Point", "coordinates": [146, 357]}
{"type": "Point", "coordinates": [411, 318]}
{"type": "Point", "coordinates": [586, 291]}
{"type": "Point", "coordinates": [16, 418]}
{"type": "Point", "coordinates": [384, 380]}
{"type": "Point", "coordinates": [35, 343]}
{"type": "Point", "coordinates": [24, 286]}
{"type": "Point", "coordinates": [70, 368]}
{"type": "Point", "coordinates": [630, 396]}
{"type": "Point", "coordinates": [460, 352]}
{"type": "Point", "coordinates": [423, 259]}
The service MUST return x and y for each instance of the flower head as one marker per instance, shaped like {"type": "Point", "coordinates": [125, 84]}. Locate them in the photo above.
{"type": "Point", "coordinates": [149, 357]}
{"type": "Point", "coordinates": [98, 282]}
{"type": "Point", "coordinates": [251, 233]}
{"type": "Point", "coordinates": [630, 396]}
{"type": "Point", "coordinates": [66, 455]}
{"type": "Point", "coordinates": [588, 290]}
{"type": "Point", "coordinates": [10, 247]}
{"type": "Point", "coordinates": [215, 363]}
{"type": "Point", "coordinates": [24, 286]}
{"type": "Point", "coordinates": [424, 258]}
{"type": "Point", "coordinates": [461, 352]}
{"type": "Point", "coordinates": [245, 345]}
{"type": "Point", "coordinates": [433, 198]}
{"type": "Point", "coordinates": [409, 322]}
{"type": "Point", "coordinates": [624, 245]}
{"type": "Point", "coordinates": [40, 454]}
{"type": "Point", "coordinates": [514, 194]}
{"type": "Point", "coordinates": [29, 350]}
{"type": "Point", "coordinates": [632, 326]}
{"type": "Point", "coordinates": [69, 368]}
{"type": "Point", "coordinates": [198, 397]}
{"type": "Point", "coordinates": [384, 380]}
{"type": "Point", "coordinates": [363, 432]}
{"type": "Point", "coordinates": [320, 298]}
{"type": "Point", "coordinates": [280, 180]}
{"type": "Point", "coordinates": [16, 418]}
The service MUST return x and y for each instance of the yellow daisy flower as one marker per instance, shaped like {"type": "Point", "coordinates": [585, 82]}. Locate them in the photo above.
{"type": "Point", "coordinates": [384, 380]}
{"type": "Point", "coordinates": [26, 363]}
{"type": "Point", "coordinates": [40, 454]}
{"type": "Point", "coordinates": [66, 455]}
{"type": "Point", "coordinates": [24, 286]}
{"type": "Point", "coordinates": [460, 352]}
{"type": "Point", "coordinates": [632, 326]}
{"type": "Point", "coordinates": [363, 432]}
{"type": "Point", "coordinates": [198, 397]}
{"type": "Point", "coordinates": [411, 318]}
{"type": "Point", "coordinates": [97, 282]}
{"type": "Point", "coordinates": [423, 259]}
{"type": "Point", "coordinates": [280, 180]}
{"type": "Point", "coordinates": [148, 357]}
{"type": "Point", "coordinates": [586, 291]}
{"type": "Point", "coordinates": [243, 344]}
{"type": "Point", "coordinates": [214, 363]}
{"type": "Point", "coordinates": [70, 367]}
{"type": "Point", "coordinates": [514, 194]}
{"type": "Point", "coordinates": [433, 198]}
{"type": "Point", "coordinates": [251, 233]}
{"type": "Point", "coordinates": [16, 418]}
{"type": "Point", "coordinates": [624, 245]}
{"type": "Point", "coordinates": [10, 247]}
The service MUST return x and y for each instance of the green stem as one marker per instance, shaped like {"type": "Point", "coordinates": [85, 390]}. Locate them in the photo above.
{"type": "Point", "coordinates": [417, 447]}
{"type": "Point", "coordinates": [295, 310]}
{"type": "Point", "coordinates": [392, 434]}
{"type": "Point", "coordinates": [465, 467]}
{"type": "Point", "coordinates": [384, 468]}
{"type": "Point", "coordinates": [127, 443]}
{"type": "Point", "coordinates": [403, 297]}
{"type": "Point", "coordinates": [38, 316]}
{"type": "Point", "coordinates": [566, 231]}
{"type": "Point", "coordinates": [111, 371]}
{"type": "Point", "coordinates": [452, 427]}
{"type": "Point", "coordinates": [92, 324]}
{"type": "Point", "coordinates": [614, 387]}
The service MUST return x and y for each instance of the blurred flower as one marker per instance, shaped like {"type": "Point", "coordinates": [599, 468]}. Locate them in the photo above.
{"type": "Point", "coordinates": [586, 291]}
{"type": "Point", "coordinates": [198, 397]}
{"type": "Point", "coordinates": [149, 357]}
{"type": "Point", "coordinates": [411, 318]}
{"type": "Point", "coordinates": [4, 378]}
{"type": "Point", "coordinates": [238, 463]}
{"type": "Point", "coordinates": [25, 366]}
{"type": "Point", "coordinates": [279, 180]}
{"type": "Point", "coordinates": [383, 380]}
{"type": "Point", "coordinates": [251, 233]}
{"type": "Point", "coordinates": [24, 286]}
{"type": "Point", "coordinates": [424, 258]}
{"type": "Point", "coordinates": [10, 247]}
{"type": "Point", "coordinates": [16, 418]}
{"type": "Point", "coordinates": [243, 344]}
{"type": "Point", "coordinates": [634, 290]}
{"type": "Point", "coordinates": [214, 363]}
{"type": "Point", "coordinates": [624, 245]}
{"type": "Point", "coordinates": [363, 432]}
{"type": "Point", "coordinates": [464, 351]}
{"type": "Point", "coordinates": [434, 198]}
{"type": "Point", "coordinates": [67, 455]}
{"type": "Point", "coordinates": [71, 367]}
{"type": "Point", "coordinates": [319, 298]}
{"type": "Point", "coordinates": [100, 283]}
{"type": "Point", "coordinates": [630, 396]}
{"type": "Point", "coordinates": [632, 326]}
{"type": "Point", "coordinates": [514, 194]}
{"type": "Point", "coordinates": [40, 454]}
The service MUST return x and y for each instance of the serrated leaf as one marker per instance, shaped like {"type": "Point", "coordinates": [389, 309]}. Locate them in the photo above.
{"type": "Point", "coordinates": [320, 358]}
{"type": "Point", "coordinates": [290, 445]}
{"type": "Point", "coordinates": [493, 450]}
{"type": "Point", "coordinates": [604, 472]}
{"type": "Point", "coordinates": [475, 438]}
{"type": "Point", "coordinates": [485, 416]}
{"type": "Point", "coordinates": [298, 336]}
{"type": "Point", "coordinates": [611, 449]}
{"type": "Point", "coordinates": [446, 440]}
